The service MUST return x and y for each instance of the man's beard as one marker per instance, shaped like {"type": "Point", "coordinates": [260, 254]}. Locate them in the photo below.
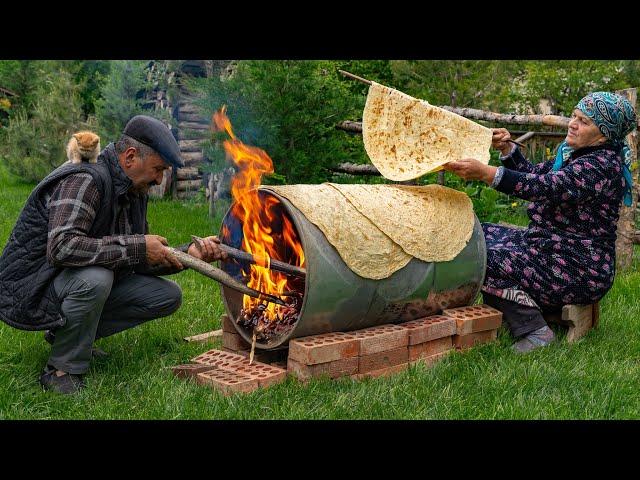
{"type": "Point", "coordinates": [143, 189]}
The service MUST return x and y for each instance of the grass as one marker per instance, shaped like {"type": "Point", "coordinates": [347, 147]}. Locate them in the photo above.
{"type": "Point", "coordinates": [595, 378]}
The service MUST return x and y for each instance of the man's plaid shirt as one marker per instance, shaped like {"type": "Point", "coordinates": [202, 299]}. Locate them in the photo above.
{"type": "Point", "coordinates": [72, 209]}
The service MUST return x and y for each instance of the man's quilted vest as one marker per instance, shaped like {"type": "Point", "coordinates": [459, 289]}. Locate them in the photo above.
{"type": "Point", "coordinates": [27, 298]}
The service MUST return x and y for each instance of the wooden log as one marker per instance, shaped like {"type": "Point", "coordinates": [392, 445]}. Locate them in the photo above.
{"type": "Point", "coordinates": [221, 276]}
{"type": "Point", "coordinates": [190, 145]}
{"type": "Point", "coordinates": [192, 117]}
{"type": "Point", "coordinates": [626, 221]}
{"type": "Point", "coordinates": [193, 126]}
{"type": "Point", "coordinates": [188, 173]}
{"type": "Point", "coordinates": [356, 169]}
{"type": "Point", "coordinates": [187, 107]}
{"type": "Point", "coordinates": [185, 194]}
{"type": "Point", "coordinates": [192, 156]}
{"type": "Point", "coordinates": [349, 126]}
{"type": "Point", "coordinates": [188, 185]}
{"type": "Point", "coordinates": [198, 135]}
{"type": "Point", "coordinates": [580, 318]}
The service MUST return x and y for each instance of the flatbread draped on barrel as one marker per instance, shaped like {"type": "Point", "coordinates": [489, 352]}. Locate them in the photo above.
{"type": "Point", "coordinates": [377, 229]}
{"type": "Point", "coordinates": [406, 138]}
{"type": "Point", "coordinates": [364, 248]}
{"type": "Point", "coordinates": [431, 222]}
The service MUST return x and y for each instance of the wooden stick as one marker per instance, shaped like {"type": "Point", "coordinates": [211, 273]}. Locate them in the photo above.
{"type": "Point", "coordinates": [221, 276]}
{"type": "Point", "coordinates": [204, 337]}
{"type": "Point", "coordinates": [273, 264]}
{"type": "Point", "coordinates": [247, 257]}
{"type": "Point", "coordinates": [355, 77]}
{"type": "Point", "coordinates": [517, 143]}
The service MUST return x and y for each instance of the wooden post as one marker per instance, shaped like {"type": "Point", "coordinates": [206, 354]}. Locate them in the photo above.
{"type": "Point", "coordinates": [626, 222]}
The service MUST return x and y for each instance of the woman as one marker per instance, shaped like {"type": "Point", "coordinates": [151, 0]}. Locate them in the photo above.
{"type": "Point", "coordinates": [567, 253]}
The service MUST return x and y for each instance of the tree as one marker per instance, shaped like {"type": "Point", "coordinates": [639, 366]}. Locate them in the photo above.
{"type": "Point", "coordinates": [121, 98]}
{"type": "Point", "coordinates": [34, 142]}
{"type": "Point", "coordinates": [290, 109]}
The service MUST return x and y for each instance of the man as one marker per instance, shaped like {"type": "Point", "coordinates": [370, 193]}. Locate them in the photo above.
{"type": "Point", "coordinates": [80, 263]}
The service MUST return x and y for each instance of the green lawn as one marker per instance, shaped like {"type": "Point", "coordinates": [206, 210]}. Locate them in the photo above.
{"type": "Point", "coordinates": [595, 378]}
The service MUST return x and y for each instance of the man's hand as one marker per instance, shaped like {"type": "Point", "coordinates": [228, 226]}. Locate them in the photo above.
{"type": "Point", "coordinates": [158, 254]}
{"type": "Point", "coordinates": [207, 249]}
{"type": "Point", "coordinates": [472, 169]}
{"type": "Point", "coordinates": [499, 141]}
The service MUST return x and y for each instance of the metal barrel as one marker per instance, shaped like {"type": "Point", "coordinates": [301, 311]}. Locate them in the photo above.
{"type": "Point", "coordinates": [337, 299]}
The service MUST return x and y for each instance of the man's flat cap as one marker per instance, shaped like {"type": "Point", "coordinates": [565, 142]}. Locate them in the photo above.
{"type": "Point", "coordinates": [155, 134]}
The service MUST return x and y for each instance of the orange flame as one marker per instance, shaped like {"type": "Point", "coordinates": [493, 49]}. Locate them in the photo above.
{"type": "Point", "coordinates": [258, 217]}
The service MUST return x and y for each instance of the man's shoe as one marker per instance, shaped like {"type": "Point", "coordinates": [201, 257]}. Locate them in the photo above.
{"type": "Point", "coordinates": [67, 383]}
{"type": "Point", "coordinates": [96, 352]}
{"type": "Point", "coordinates": [538, 338]}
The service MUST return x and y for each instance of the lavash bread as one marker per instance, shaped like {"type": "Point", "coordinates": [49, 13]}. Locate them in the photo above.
{"type": "Point", "coordinates": [406, 138]}
{"type": "Point", "coordinates": [364, 248]}
{"type": "Point", "coordinates": [377, 229]}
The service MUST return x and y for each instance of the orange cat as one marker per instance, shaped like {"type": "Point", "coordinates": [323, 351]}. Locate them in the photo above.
{"type": "Point", "coordinates": [83, 146]}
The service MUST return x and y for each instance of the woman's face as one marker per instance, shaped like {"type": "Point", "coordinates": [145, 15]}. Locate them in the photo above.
{"type": "Point", "coordinates": [583, 132]}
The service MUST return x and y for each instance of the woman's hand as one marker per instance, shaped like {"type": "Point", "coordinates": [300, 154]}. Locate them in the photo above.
{"type": "Point", "coordinates": [472, 169]}
{"type": "Point", "coordinates": [500, 139]}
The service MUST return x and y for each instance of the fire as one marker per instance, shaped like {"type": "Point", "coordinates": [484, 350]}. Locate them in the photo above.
{"type": "Point", "coordinates": [257, 218]}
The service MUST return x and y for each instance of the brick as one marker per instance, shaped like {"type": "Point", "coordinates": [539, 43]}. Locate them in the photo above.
{"type": "Point", "coordinates": [430, 328]}
{"type": "Point", "coordinates": [467, 341]}
{"type": "Point", "coordinates": [382, 372]}
{"type": "Point", "coordinates": [244, 353]}
{"type": "Point", "coordinates": [227, 324]}
{"type": "Point", "coordinates": [190, 369]}
{"type": "Point", "coordinates": [227, 382]}
{"type": "Point", "coordinates": [265, 374]}
{"type": "Point", "coordinates": [327, 347]}
{"type": "Point", "coordinates": [234, 341]}
{"type": "Point", "coordinates": [335, 369]}
{"type": "Point", "coordinates": [430, 348]}
{"type": "Point", "coordinates": [381, 338]}
{"type": "Point", "coordinates": [389, 358]}
{"type": "Point", "coordinates": [217, 357]}
{"type": "Point", "coordinates": [432, 359]}
{"type": "Point", "coordinates": [475, 318]}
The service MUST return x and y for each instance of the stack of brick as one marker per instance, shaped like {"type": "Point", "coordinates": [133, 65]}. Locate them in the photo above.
{"type": "Point", "coordinates": [371, 352]}
{"type": "Point", "coordinates": [475, 324]}
{"type": "Point", "coordinates": [230, 372]}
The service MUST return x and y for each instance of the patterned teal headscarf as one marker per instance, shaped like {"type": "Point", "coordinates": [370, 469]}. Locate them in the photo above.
{"type": "Point", "coordinates": [615, 118]}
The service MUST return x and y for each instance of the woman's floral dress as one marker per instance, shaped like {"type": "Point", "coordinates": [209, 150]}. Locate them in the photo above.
{"type": "Point", "coordinates": [567, 253]}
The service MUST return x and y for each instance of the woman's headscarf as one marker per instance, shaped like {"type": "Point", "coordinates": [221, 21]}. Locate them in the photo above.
{"type": "Point", "coordinates": [615, 118]}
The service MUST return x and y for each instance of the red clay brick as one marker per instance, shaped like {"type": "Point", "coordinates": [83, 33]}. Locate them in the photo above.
{"type": "Point", "coordinates": [382, 372]}
{"type": "Point", "coordinates": [429, 328]}
{"type": "Point", "coordinates": [475, 318]}
{"type": "Point", "coordinates": [217, 357]}
{"type": "Point", "coordinates": [430, 360]}
{"type": "Point", "coordinates": [335, 369]}
{"type": "Point", "coordinates": [227, 382]}
{"type": "Point", "coordinates": [265, 374]}
{"type": "Point", "coordinates": [234, 341]}
{"type": "Point", "coordinates": [244, 353]}
{"type": "Point", "coordinates": [377, 361]}
{"type": "Point", "coordinates": [467, 341]}
{"type": "Point", "coordinates": [190, 369]}
{"type": "Point", "coordinates": [381, 338]}
{"type": "Point", "coordinates": [227, 324]}
{"type": "Point", "coordinates": [327, 347]}
{"type": "Point", "coordinates": [430, 348]}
